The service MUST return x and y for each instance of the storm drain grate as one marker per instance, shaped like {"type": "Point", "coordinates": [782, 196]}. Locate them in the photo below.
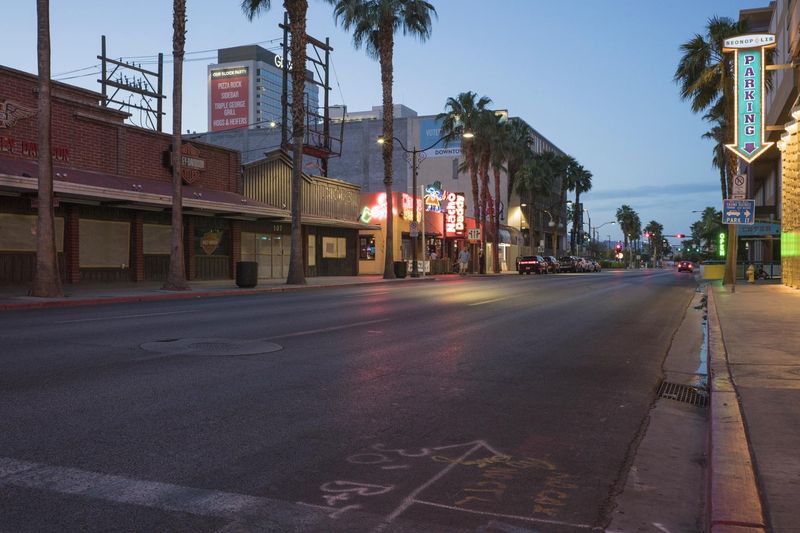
{"type": "Point", "coordinates": [683, 393]}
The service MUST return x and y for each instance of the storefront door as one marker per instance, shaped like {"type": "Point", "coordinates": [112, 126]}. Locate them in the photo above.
{"type": "Point", "coordinates": [270, 251]}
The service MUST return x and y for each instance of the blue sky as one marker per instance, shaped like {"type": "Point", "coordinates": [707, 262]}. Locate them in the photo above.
{"type": "Point", "coordinates": [593, 76]}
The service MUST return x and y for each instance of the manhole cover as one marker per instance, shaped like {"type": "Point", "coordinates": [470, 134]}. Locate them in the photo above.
{"type": "Point", "coordinates": [205, 346]}
{"type": "Point", "coordinates": [683, 393]}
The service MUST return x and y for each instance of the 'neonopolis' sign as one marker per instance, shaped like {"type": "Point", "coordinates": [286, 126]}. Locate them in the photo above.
{"type": "Point", "coordinates": [749, 61]}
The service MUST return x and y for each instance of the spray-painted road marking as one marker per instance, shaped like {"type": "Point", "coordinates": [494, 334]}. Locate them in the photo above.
{"type": "Point", "coordinates": [326, 330]}
{"type": "Point", "coordinates": [509, 516]}
{"type": "Point", "coordinates": [409, 500]}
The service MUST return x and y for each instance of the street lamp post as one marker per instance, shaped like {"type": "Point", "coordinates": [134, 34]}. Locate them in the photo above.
{"type": "Point", "coordinates": [552, 224]}
{"type": "Point", "coordinates": [415, 161]}
{"type": "Point", "coordinates": [597, 230]}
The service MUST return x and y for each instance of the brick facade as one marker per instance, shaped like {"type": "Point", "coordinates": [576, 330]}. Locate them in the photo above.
{"type": "Point", "coordinates": [90, 137]}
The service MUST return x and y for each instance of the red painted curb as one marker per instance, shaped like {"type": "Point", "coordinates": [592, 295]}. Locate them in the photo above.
{"type": "Point", "coordinates": [734, 503]}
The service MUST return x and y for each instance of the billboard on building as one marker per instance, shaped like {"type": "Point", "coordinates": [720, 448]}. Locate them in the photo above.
{"type": "Point", "coordinates": [430, 131]}
{"type": "Point", "coordinates": [230, 98]}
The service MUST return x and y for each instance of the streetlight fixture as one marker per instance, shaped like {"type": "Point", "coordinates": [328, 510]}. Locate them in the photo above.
{"type": "Point", "coordinates": [415, 153]}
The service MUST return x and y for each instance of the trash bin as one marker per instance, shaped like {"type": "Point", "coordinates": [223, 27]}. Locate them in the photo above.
{"type": "Point", "coordinates": [400, 269]}
{"type": "Point", "coordinates": [246, 274]}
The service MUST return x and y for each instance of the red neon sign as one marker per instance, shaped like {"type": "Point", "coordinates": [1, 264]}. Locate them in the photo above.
{"type": "Point", "coordinates": [455, 215]}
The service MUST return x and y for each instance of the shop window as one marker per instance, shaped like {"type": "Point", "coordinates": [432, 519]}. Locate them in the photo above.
{"type": "Point", "coordinates": [366, 248]}
{"type": "Point", "coordinates": [18, 233]}
{"type": "Point", "coordinates": [312, 250]}
{"type": "Point", "coordinates": [104, 244]}
{"type": "Point", "coordinates": [334, 247]}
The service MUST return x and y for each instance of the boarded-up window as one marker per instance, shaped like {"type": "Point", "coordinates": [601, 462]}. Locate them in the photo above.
{"type": "Point", "coordinates": [157, 239]}
{"type": "Point", "coordinates": [312, 250]}
{"type": "Point", "coordinates": [18, 233]}
{"type": "Point", "coordinates": [334, 247]}
{"type": "Point", "coordinates": [104, 244]}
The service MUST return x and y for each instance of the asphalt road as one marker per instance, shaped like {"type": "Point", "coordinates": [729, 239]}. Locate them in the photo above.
{"type": "Point", "coordinates": [505, 404]}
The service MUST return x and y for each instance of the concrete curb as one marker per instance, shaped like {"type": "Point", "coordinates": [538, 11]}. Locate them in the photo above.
{"type": "Point", "coordinates": [734, 504]}
{"type": "Point", "coordinates": [188, 295]}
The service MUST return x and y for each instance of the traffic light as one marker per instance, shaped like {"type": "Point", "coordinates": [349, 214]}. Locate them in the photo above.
{"type": "Point", "coordinates": [618, 247]}
{"type": "Point", "coordinates": [680, 236]}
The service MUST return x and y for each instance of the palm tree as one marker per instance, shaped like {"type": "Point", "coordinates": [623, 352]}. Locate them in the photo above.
{"type": "Point", "coordinates": [297, 10]}
{"type": "Point", "coordinates": [374, 23]}
{"type": "Point", "coordinates": [655, 230]}
{"type": "Point", "coordinates": [461, 115]}
{"type": "Point", "coordinates": [518, 149]}
{"type": "Point", "coordinates": [625, 219]}
{"type": "Point", "coordinates": [706, 77]}
{"type": "Point", "coordinates": [176, 276]}
{"type": "Point", "coordinates": [485, 129]}
{"type": "Point", "coordinates": [501, 148]}
{"type": "Point", "coordinates": [581, 182]}
{"type": "Point", "coordinates": [46, 280]}
{"type": "Point", "coordinates": [535, 179]}
{"type": "Point", "coordinates": [707, 229]}
{"type": "Point", "coordinates": [564, 167]}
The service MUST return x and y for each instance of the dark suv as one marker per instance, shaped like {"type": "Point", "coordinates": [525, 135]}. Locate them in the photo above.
{"type": "Point", "coordinates": [531, 263]}
{"type": "Point", "coordinates": [553, 265]}
{"type": "Point", "coordinates": [569, 263]}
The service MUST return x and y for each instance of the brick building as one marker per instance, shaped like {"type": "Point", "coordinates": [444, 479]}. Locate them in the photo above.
{"type": "Point", "coordinates": [112, 185]}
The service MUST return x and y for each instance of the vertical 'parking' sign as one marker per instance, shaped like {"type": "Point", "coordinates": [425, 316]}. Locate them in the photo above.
{"type": "Point", "coordinates": [749, 62]}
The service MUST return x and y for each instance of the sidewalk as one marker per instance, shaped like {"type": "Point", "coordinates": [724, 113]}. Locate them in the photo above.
{"type": "Point", "coordinates": [754, 356]}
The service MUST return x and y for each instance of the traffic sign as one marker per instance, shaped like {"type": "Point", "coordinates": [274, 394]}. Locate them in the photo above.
{"type": "Point", "coordinates": [413, 232]}
{"type": "Point", "coordinates": [738, 211]}
{"type": "Point", "coordinates": [739, 187]}
{"type": "Point", "coordinates": [474, 234]}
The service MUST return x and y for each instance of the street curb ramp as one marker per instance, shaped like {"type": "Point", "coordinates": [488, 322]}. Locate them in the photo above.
{"type": "Point", "coordinates": [734, 504]}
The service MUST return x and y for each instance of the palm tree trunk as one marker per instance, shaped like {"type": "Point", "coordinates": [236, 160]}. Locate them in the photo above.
{"type": "Point", "coordinates": [484, 201]}
{"type": "Point", "coordinates": [530, 221]}
{"type": "Point", "coordinates": [387, 79]}
{"type": "Point", "coordinates": [297, 26]}
{"type": "Point", "coordinates": [46, 281]}
{"type": "Point", "coordinates": [496, 236]}
{"type": "Point", "coordinates": [176, 277]}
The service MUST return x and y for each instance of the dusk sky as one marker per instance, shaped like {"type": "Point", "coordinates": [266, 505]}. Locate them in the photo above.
{"type": "Point", "coordinates": [593, 76]}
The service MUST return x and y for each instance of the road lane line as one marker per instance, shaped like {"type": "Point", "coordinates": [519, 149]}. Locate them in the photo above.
{"type": "Point", "coordinates": [511, 516]}
{"type": "Point", "coordinates": [119, 317]}
{"type": "Point", "coordinates": [490, 301]}
{"type": "Point", "coordinates": [326, 330]}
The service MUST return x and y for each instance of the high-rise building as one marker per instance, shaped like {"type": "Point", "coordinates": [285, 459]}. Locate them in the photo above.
{"type": "Point", "coordinates": [245, 86]}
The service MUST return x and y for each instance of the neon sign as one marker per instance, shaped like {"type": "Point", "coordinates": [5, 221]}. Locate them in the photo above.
{"type": "Point", "coordinates": [434, 196]}
{"type": "Point", "coordinates": [749, 60]}
{"type": "Point", "coordinates": [454, 219]}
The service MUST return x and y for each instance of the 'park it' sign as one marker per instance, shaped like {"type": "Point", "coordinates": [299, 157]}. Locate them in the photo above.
{"type": "Point", "coordinates": [749, 61]}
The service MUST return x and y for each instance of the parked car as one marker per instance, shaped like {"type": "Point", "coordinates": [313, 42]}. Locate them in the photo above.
{"type": "Point", "coordinates": [595, 266]}
{"type": "Point", "coordinates": [531, 264]}
{"type": "Point", "coordinates": [584, 265]}
{"type": "Point", "coordinates": [553, 266]}
{"type": "Point", "coordinates": [569, 263]}
{"type": "Point", "coordinates": [685, 266]}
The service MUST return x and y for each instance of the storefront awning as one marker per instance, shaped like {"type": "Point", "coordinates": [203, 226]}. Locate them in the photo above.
{"type": "Point", "coordinates": [81, 186]}
{"type": "Point", "coordinates": [511, 236]}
